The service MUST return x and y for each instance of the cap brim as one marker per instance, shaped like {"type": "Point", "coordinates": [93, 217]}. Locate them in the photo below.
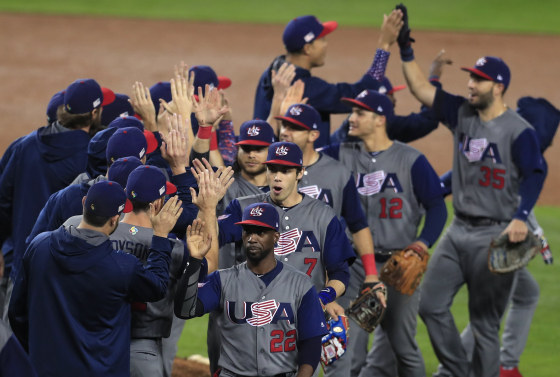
{"type": "Point", "coordinates": [396, 89]}
{"type": "Point", "coordinates": [170, 188]}
{"type": "Point", "coordinates": [294, 121]}
{"type": "Point", "coordinates": [258, 143]}
{"type": "Point", "coordinates": [353, 102]}
{"type": "Point", "coordinates": [478, 73]}
{"type": "Point", "coordinates": [255, 223]}
{"type": "Point", "coordinates": [108, 96]}
{"type": "Point", "coordinates": [151, 141]}
{"type": "Point", "coordinates": [137, 117]}
{"type": "Point", "coordinates": [328, 27]}
{"type": "Point", "coordinates": [281, 162]}
{"type": "Point", "coordinates": [224, 82]}
{"type": "Point", "coordinates": [127, 206]}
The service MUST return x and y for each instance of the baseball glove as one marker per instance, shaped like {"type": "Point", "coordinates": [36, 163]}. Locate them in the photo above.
{"type": "Point", "coordinates": [334, 343]}
{"type": "Point", "coordinates": [404, 40]}
{"type": "Point", "coordinates": [404, 274]}
{"type": "Point", "coordinates": [367, 310]}
{"type": "Point", "coordinates": [505, 256]}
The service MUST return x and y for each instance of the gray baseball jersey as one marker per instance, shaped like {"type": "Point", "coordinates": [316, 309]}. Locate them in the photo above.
{"type": "Point", "coordinates": [485, 180]}
{"type": "Point", "coordinates": [312, 239]}
{"type": "Point", "coordinates": [261, 323]}
{"type": "Point", "coordinates": [152, 319]}
{"type": "Point", "coordinates": [385, 187]}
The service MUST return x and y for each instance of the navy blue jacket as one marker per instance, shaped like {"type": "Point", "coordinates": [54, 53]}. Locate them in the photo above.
{"type": "Point", "coordinates": [43, 162]}
{"type": "Point", "coordinates": [323, 96]}
{"type": "Point", "coordinates": [71, 301]}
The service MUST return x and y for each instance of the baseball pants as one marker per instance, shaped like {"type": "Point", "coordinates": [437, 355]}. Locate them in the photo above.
{"type": "Point", "coordinates": [169, 345]}
{"type": "Point", "coordinates": [396, 332]}
{"type": "Point", "coordinates": [358, 339]}
{"type": "Point", "coordinates": [524, 299]}
{"type": "Point", "coordinates": [146, 358]}
{"type": "Point", "coordinates": [461, 258]}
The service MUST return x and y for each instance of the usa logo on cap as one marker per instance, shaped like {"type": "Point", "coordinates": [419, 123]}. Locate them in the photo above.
{"type": "Point", "coordinates": [480, 62]}
{"type": "Point", "coordinates": [282, 150]}
{"type": "Point", "coordinates": [295, 110]}
{"type": "Point", "coordinates": [257, 211]}
{"type": "Point", "coordinates": [253, 131]}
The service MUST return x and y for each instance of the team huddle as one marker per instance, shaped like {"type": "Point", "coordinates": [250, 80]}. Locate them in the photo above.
{"type": "Point", "coordinates": [146, 210]}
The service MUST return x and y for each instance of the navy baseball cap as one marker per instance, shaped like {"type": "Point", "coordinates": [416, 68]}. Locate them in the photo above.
{"type": "Point", "coordinates": [106, 199]}
{"type": "Point", "coordinates": [204, 74]}
{"type": "Point", "coordinates": [491, 68]}
{"type": "Point", "coordinates": [55, 102]}
{"type": "Point", "coordinates": [147, 183]}
{"type": "Point", "coordinates": [119, 107]}
{"type": "Point", "coordinates": [303, 116]}
{"type": "Point", "coordinates": [386, 87]}
{"type": "Point", "coordinates": [121, 169]}
{"type": "Point", "coordinates": [372, 100]}
{"type": "Point", "coordinates": [161, 90]}
{"type": "Point", "coordinates": [97, 149]}
{"type": "Point", "coordinates": [130, 121]}
{"type": "Point", "coordinates": [256, 132]}
{"type": "Point", "coordinates": [260, 214]}
{"type": "Point", "coordinates": [126, 142]}
{"type": "Point", "coordinates": [82, 96]}
{"type": "Point", "coordinates": [305, 29]}
{"type": "Point", "coordinates": [284, 153]}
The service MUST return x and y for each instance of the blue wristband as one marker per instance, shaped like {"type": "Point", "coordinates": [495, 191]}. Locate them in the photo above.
{"type": "Point", "coordinates": [407, 54]}
{"type": "Point", "coordinates": [327, 295]}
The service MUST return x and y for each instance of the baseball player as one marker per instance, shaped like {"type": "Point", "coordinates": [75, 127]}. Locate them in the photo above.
{"type": "Point", "coordinates": [498, 175]}
{"type": "Point", "coordinates": [544, 118]}
{"type": "Point", "coordinates": [272, 322]}
{"type": "Point", "coordinates": [73, 280]}
{"type": "Point", "coordinates": [56, 154]}
{"type": "Point", "coordinates": [312, 237]}
{"type": "Point", "coordinates": [306, 46]}
{"type": "Point", "coordinates": [396, 185]}
{"type": "Point", "coordinates": [328, 180]}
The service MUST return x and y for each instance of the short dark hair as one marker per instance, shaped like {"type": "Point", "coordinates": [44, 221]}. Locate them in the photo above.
{"type": "Point", "coordinates": [138, 206]}
{"type": "Point", "coordinates": [74, 121]}
{"type": "Point", "coordinates": [95, 220]}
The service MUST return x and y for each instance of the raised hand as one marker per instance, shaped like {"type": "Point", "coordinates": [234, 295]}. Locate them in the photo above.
{"type": "Point", "coordinates": [164, 221]}
{"type": "Point", "coordinates": [282, 80]}
{"type": "Point", "coordinates": [208, 109]}
{"type": "Point", "coordinates": [293, 96]}
{"type": "Point", "coordinates": [182, 92]}
{"type": "Point", "coordinates": [436, 69]}
{"type": "Point", "coordinates": [198, 239]}
{"type": "Point", "coordinates": [175, 147]}
{"type": "Point", "coordinates": [141, 102]}
{"type": "Point", "coordinates": [212, 185]}
{"type": "Point", "coordinates": [390, 29]}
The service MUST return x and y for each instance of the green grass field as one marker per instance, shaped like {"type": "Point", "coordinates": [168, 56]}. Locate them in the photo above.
{"type": "Point", "coordinates": [514, 16]}
{"type": "Point", "coordinates": [541, 355]}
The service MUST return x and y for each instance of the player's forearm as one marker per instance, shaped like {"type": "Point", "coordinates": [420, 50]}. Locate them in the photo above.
{"type": "Point", "coordinates": [419, 86]}
{"type": "Point", "coordinates": [338, 286]}
{"type": "Point", "coordinates": [363, 243]}
{"type": "Point", "coordinates": [211, 223]}
{"type": "Point", "coordinates": [305, 370]}
{"type": "Point", "coordinates": [187, 290]}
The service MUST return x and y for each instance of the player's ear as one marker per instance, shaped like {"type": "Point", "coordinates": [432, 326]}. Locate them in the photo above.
{"type": "Point", "coordinates": [306, 50]}
{"type": "Point", "coordinates": [83, 202]}
{"type": "Point", "coordinates": [300, 174]}
{"type": "Point", "coordinates": [276, 237]}
{"type": "Point", "coordinates": [499, 89]}
{"type": "Point", "coordinates": [313, 135]}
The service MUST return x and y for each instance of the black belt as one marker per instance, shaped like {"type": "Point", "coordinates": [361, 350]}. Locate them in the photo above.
{"type": "Point", "coordinates": [383, 256]}
{"type": "Point", "coordinates": [478, 220]}
{"type": "Point", "coordinates": [276, 375]}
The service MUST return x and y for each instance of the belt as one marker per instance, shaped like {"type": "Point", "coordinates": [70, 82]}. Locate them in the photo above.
{"type": "Point", "coordinates": [478, 220]}
{"type": "Point", "coordinates": [289, 374]}
{"type": "Point", "coordinates": [383, 256]}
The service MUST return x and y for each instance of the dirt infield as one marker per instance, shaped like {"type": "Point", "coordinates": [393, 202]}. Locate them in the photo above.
{"type": "Point", "coordinates": [43, 54]}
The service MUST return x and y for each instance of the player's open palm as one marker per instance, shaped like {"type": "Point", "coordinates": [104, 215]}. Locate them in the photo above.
{"type": "Point", "coordinates": [198, 240]}
{"type": "Point", "coordinates": [164, 220]}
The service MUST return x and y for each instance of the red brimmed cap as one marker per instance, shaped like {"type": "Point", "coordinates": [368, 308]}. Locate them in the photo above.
{"type": "Point", "coordinates": [106, 199]}
{"type": "Point", "coordinates": [305, 29]}
{"type": "Point", "coordinates": [387, 88]}
{"type": "Point", "coordinates": [284, 153]}
{"type": "Point", "coordinates": [256, 132]}
{"type": "Point", "coordinates": [302, 115]}
{"type": "Point", "coordinates": [108, 96]}
{"type": "Point", "coordinates": [491, 68]}
{"type": "Point", "coordinates": [372, 100]}
{"type": "Point", "coordinates": [260, 214]}
{"type": "Point", "coordinates": [147, 183]}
